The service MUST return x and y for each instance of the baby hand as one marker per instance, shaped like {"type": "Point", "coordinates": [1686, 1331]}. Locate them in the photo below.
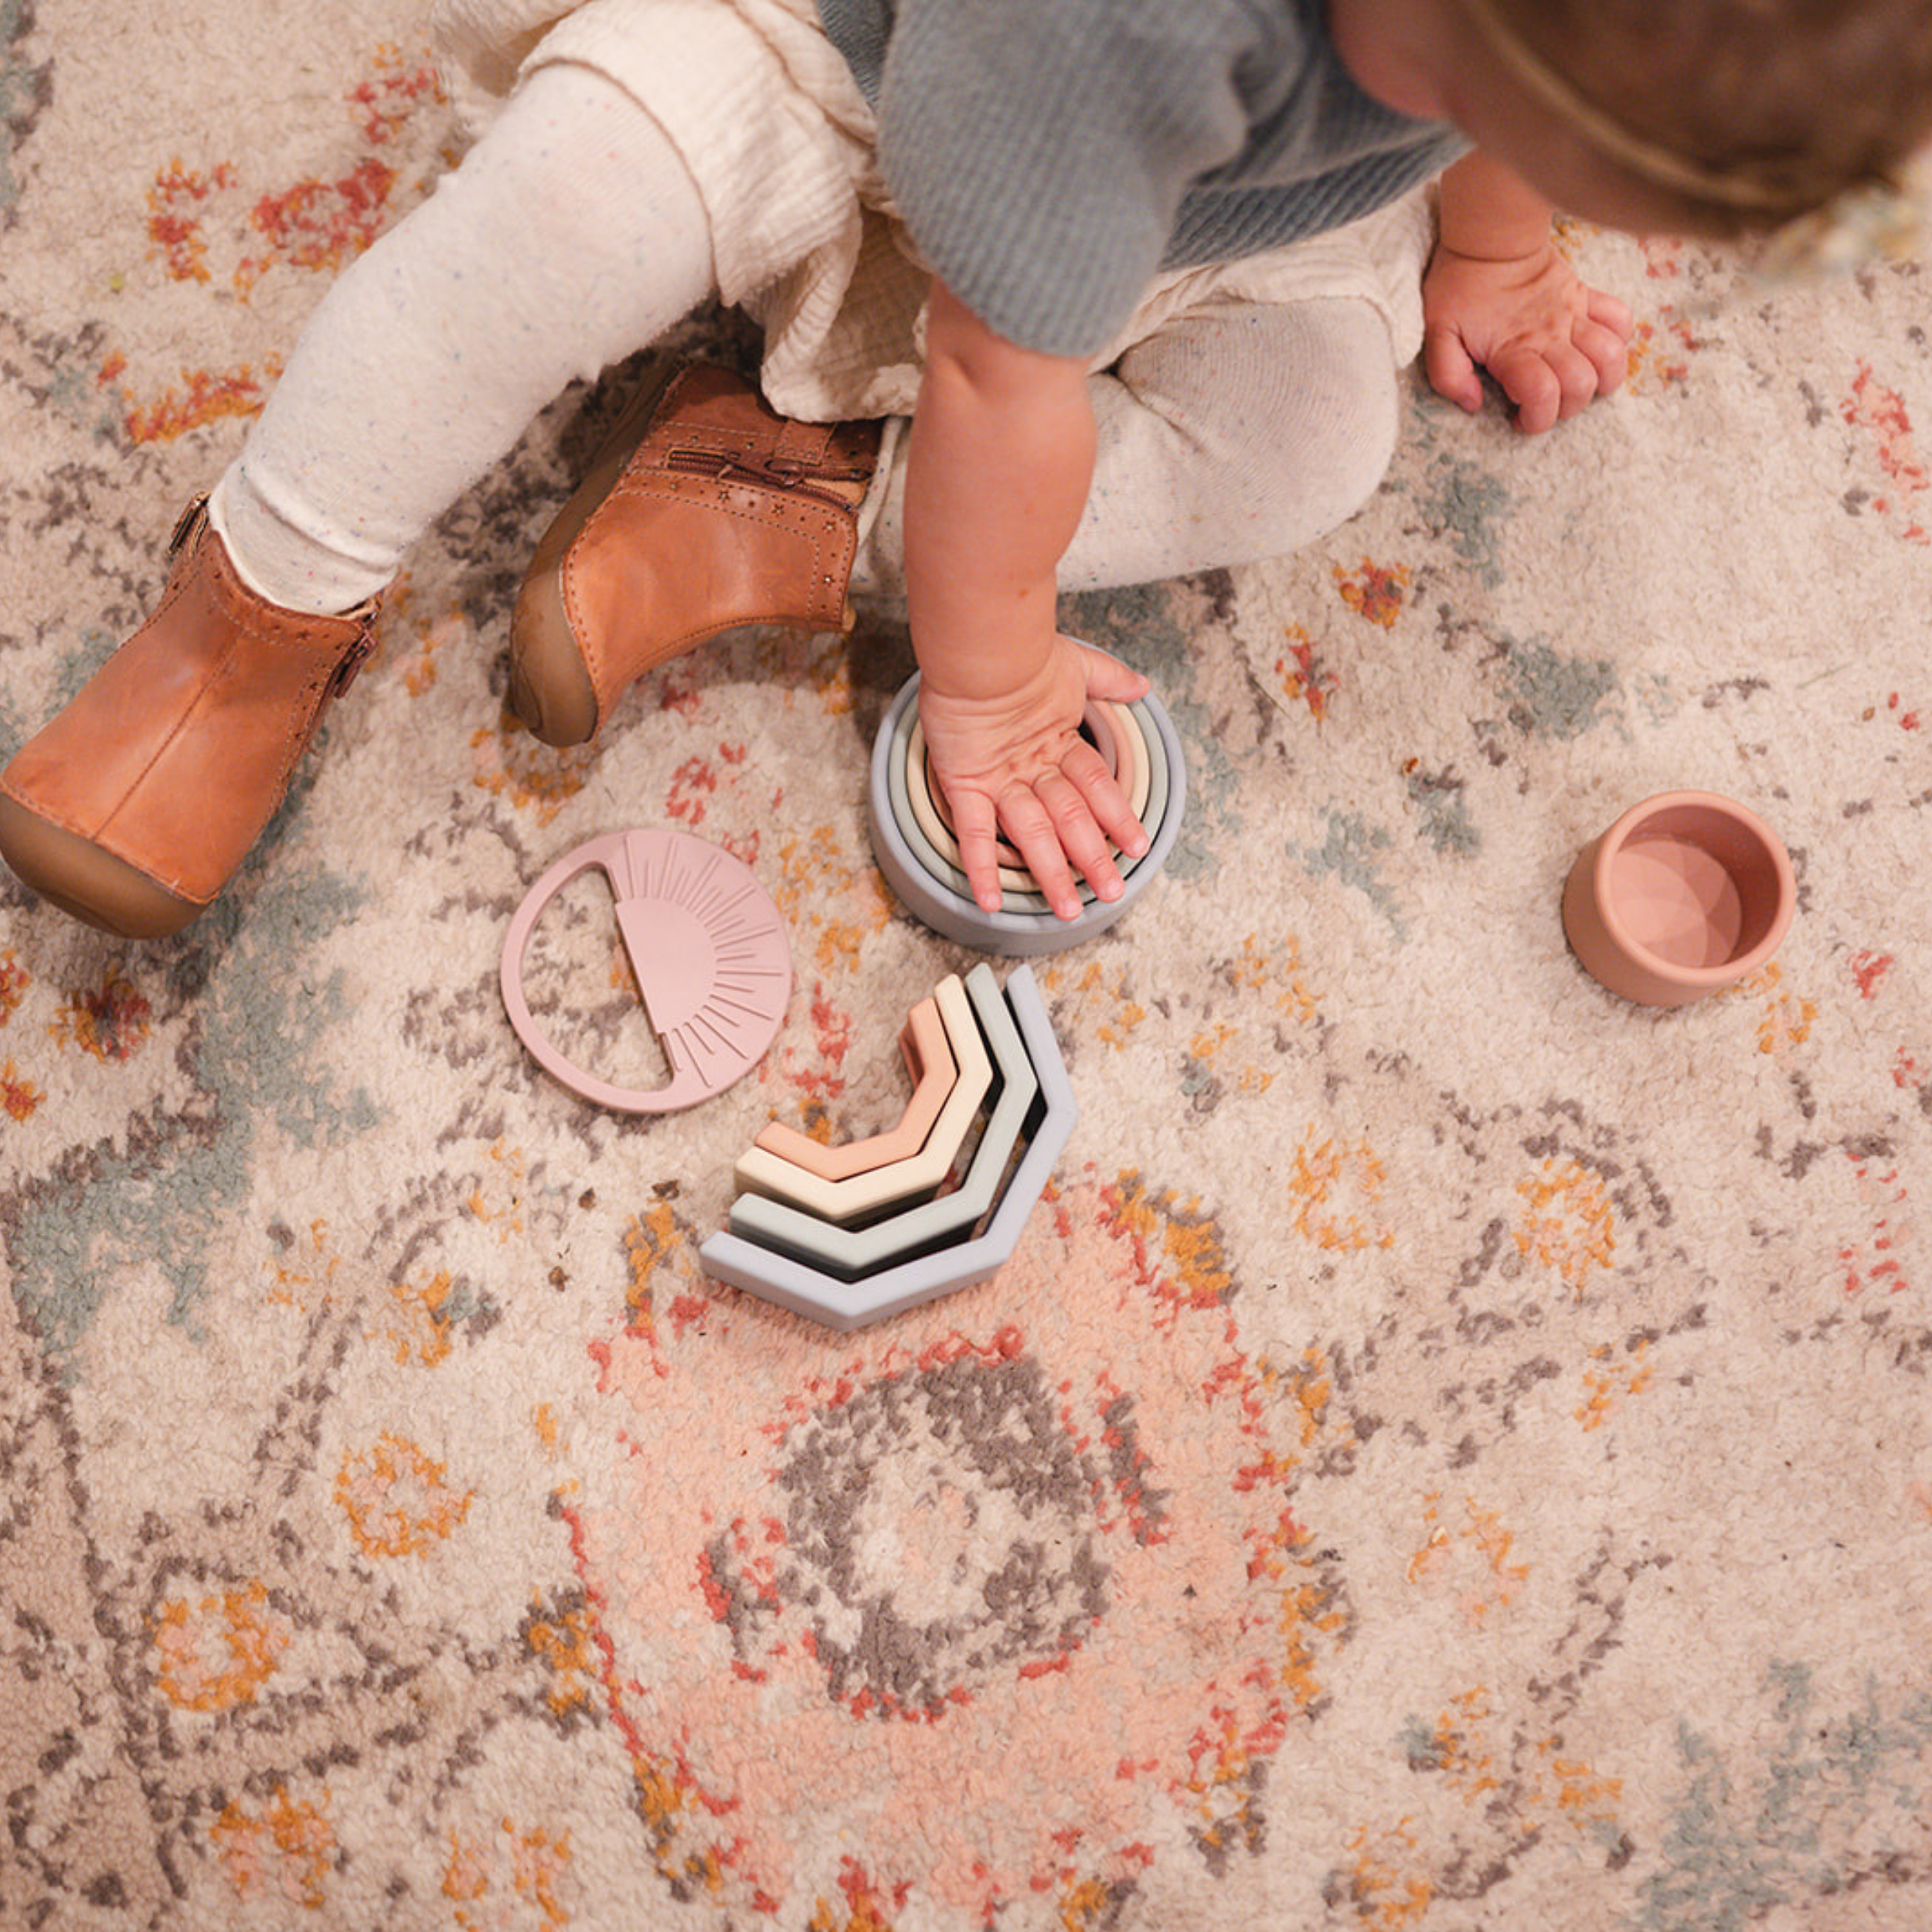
{"type": "Point", "coordinates": [1553, 343]}
{"type": "Point", "coordinates": [1017, 761]}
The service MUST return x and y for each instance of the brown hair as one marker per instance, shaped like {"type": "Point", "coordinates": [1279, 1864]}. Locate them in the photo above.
{"type": "Point", "coordinates": [1749, 112]}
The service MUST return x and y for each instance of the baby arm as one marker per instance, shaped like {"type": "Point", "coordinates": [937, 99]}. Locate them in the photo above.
{"type": "Point", "coordinates": [1499, 294]}
{"type": "Point", "coordinates": [1001, 457]}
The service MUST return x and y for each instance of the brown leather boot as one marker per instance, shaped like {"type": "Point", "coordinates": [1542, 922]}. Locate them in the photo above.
{"type": "Point", "coordinates": [133, 807]}
{"type": "Point", "coordinates": [704, 510]}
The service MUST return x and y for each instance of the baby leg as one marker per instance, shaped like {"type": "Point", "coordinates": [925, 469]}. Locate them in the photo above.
{"type": "Point", "coordinates": [1238, 433]}
{"type": "Point", "coordinates": [1235, 435]}
{"type": "Point", "coordinates": [570, 235]}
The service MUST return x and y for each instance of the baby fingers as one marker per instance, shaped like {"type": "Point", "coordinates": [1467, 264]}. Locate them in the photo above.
{"type": "Point", "coordinates": [976, 828]}
{"type": "Point", "coordinates": [1551, 381]}
{"type": "Point", "coordinates": [1105, 799]}
{"type": "Point", "coordinates": [1052, 825]}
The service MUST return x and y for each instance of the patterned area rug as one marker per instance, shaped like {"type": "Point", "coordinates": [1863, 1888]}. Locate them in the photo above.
{"type": "Point", "coordinates": [1452, 1450]}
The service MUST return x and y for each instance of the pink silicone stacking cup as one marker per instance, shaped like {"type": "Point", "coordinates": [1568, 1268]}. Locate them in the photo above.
{"type": "Point", "coordinates": [1686, 893]}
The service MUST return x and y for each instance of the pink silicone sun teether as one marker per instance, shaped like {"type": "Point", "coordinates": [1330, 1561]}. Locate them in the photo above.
{"type": "Point", "coordinates": [708, 947]}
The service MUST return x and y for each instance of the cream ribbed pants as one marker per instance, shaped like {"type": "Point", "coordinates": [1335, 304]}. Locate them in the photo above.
{"type": "Point", "coordinates": [572, 236]}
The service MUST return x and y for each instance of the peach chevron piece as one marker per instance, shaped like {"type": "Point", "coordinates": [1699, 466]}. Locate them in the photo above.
{"type": "Point", "coordinates": [920, 1174]}
{"type": "Point", "coordinates": [851, 1252]}
{"type": "Point", "coordinates": [929, 1061]}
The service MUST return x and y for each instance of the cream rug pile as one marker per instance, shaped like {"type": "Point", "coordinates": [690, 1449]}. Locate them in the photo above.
{"type": "Point", "coordinates": [1452, 1449]}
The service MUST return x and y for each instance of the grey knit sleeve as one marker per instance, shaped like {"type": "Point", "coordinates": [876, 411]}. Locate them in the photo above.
{"type": "Point", "coordinates": [1039, 150]}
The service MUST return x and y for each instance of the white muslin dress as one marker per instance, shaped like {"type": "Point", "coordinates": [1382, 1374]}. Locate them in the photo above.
{"type": "Point", "coordinates": [781, 143]}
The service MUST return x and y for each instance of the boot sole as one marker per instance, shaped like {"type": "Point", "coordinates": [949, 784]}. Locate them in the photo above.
{"type": "Point", "coordinates": [550, 691]}
{"type": "Point", "coordinates": [86, 882]}
{"type": "Point", "coordinates": [550, 687]}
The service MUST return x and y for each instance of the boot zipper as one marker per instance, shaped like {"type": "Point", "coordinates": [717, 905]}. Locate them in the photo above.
{"type": "Point", "coordinates": [726, 469]}
{"type": "Point", "coordinates": [187, 524]}
{"type": "Point", "coordinates": [359, 654]}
